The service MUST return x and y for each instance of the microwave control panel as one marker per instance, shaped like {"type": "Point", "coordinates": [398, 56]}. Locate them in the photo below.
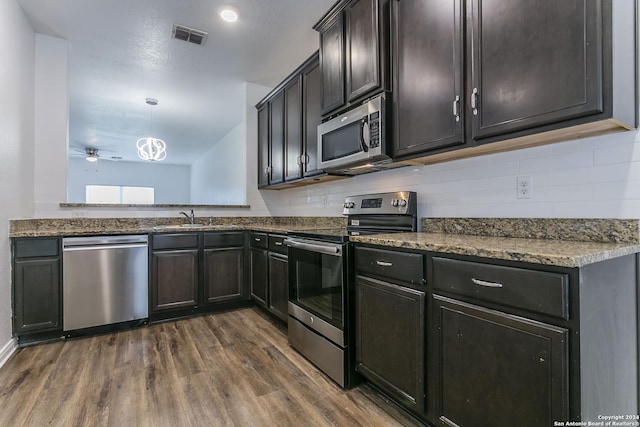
{"type": "Point", "coordinates": [374, 129]}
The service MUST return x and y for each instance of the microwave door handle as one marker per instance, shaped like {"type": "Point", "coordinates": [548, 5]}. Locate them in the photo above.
{"type": "Point", "coordinates": [363, 123]}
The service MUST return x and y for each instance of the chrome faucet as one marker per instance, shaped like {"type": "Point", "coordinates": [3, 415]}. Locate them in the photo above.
{"type": "Point", "coordinates": [191, 218]}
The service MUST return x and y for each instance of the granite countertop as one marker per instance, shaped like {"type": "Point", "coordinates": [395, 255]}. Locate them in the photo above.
{"type": "Point", "coordinates": [538, 251]}
{"type": "Point", "coordinates": [60, 227]}
{"type": "Point", "coordinates": [559, 242]}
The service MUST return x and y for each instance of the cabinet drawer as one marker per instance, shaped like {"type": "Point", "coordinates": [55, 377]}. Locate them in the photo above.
{"type": "Point", "coordinates": [174, 241]}
{"type": "Point", "coordinates": [276, 244]}
{"type": "Point", "coordinates": [536, 291]}
{"type": "Point", "coordinates": [40, 247]}
{"type": "Point", "coordinates": [393, 265]}
{"type": "Point", "coordinates": [212, 240]}
{"type": "Point", "coordinates": [259, 240]}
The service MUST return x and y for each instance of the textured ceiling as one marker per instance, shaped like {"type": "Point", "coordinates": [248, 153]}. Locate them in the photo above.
{"type": "Point", "coordinates": [121, 52]}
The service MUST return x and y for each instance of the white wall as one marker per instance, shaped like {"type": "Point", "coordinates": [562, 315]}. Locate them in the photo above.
{"type": "Point", "coordinates": [219, 176]}
{"type": "Point", "coordinates": [597, 177]}
{"type": "Point", "coordinates": [171, 182]}
{"type": "Point", "coordinates": [17, 50]}
{"type": "Point", "coordinates": [51, 121]}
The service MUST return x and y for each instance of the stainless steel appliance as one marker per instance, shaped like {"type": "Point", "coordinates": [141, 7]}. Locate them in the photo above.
{"type": "Point", "coordinates": [321, 314]}
{"type": "Point", "coordinates": [104, 280]}
{"type": "Point", "coordinates": [354, 142]}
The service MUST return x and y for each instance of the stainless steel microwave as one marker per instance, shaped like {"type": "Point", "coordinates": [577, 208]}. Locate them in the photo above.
{"type": "Point", "coordinates": [354, 142]}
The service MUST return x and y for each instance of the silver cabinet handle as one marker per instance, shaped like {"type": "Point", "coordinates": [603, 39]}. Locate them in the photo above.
{"type": "Point", "coordinates": [456, 105]}
{"type": "Point", "coordinates": [278, 243]}
{"type": "Point", "coordinates": [384, 263]}
{"type": "Point", "coordinates": [486, 284]}
{"type": "Point", "coordinates": [474, 101]}
{"type": "Point", "coordinates": [257, 240]}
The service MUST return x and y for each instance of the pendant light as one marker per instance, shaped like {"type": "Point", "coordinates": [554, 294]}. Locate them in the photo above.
{"type": "Point", "coordinates": [150, 148]}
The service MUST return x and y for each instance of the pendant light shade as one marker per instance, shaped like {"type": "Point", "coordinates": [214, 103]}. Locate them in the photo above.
{"type": "Point", "coordinates": [150, 148]}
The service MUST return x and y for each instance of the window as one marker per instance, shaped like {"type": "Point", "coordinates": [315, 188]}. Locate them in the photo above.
{"type": "Point", "coordinates": [121, 195]}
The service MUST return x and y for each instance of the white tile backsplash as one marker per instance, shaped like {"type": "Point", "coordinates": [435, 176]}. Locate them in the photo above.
{"type": "Point", "coordinates": [585, 178]}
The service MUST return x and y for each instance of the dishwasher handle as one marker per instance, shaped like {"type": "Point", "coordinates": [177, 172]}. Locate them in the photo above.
{"type": "Point", "coordinates": [104, 240]}
{"type": "Point", "coordinates": [104, 247]}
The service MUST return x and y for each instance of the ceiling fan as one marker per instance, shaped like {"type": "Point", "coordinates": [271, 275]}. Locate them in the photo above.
{"type": "Point", "coordinates": [90, 154]}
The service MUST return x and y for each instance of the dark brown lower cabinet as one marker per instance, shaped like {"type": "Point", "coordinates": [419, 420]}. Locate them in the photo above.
{"type": "Point", "coordinates": [259, 275]}
{"type": "Point", "coordinates": [36, 295]}
{"type": "Point", "coordinates": [174, 279]}
{"type": "Point", "coordinates": [223, 274]}
{"type": "Point", "coordinates": [493, 368]}
{"type": "Point", "coordinates": [36, 286]}
{"type": "Point", "coordinates": [390, 339]}
{"type": "Point", "coordinates": [194, 272]}
{"type": "Point", "coordinates": [279, 285]}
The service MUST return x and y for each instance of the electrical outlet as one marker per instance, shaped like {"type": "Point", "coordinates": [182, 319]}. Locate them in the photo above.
{"type": "Point", "coordinates": [523, 187]}
{"type": "Point", "coordinates": [324, 201]}
{"type": "Point", "coordinates": [79, 214]}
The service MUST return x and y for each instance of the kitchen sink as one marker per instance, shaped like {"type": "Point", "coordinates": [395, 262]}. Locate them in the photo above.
{"type": "Point", "coordinates": [198, 226]}
{"type": "Point", "coordinates": [178, 227]}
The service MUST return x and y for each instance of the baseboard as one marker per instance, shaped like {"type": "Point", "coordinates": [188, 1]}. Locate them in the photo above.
{"type": "Point", "coordinates": [8, 349]}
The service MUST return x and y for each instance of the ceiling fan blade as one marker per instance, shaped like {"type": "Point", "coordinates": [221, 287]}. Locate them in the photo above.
{"type": "Point", "coordinates": [111, 158]}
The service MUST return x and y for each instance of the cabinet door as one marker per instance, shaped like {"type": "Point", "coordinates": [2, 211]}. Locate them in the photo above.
{"type": "Point", "coordinates": [293, 134]}
{"type": "Point", "coordinates": [263, 146]}
{"type": "Point", "coordinates": [332, 65]}
{"type": "Point", "coordinates": [279, 286]}
{"type": "Point", "coordinates": [535, 62]}
{"type": "Point", "coordinates": [428, 83]}
{"type": "Point", "coordinates": [36, 295]}
{"type": "Point", "coordinates": [312, 118]}
{"type": "Point", "coordinates": [362, 48]}
{"type": "Point", "coordinates": [223, 274]}
{"type": "Point", "coordinates": [174, 279]}
{"type": "Point", "coordinates": [276, 130]}
{"type": "Point", "coordinates": [492, 368]}
{"type": "Point", "coordinates": [390, 339]}
{"type": "Point", "coordinates": [259, 275]}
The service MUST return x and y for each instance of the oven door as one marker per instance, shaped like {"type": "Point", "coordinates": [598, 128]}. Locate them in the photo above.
{"type": "Point", "coordinates": [317, 280]}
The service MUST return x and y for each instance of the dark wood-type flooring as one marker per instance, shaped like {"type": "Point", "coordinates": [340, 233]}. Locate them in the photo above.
{"type": "Point", "coordinates": [228, 369]}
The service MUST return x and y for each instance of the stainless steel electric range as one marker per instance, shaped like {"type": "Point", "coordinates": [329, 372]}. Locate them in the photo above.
{"type": "Point", "coordinates": [321, 280]}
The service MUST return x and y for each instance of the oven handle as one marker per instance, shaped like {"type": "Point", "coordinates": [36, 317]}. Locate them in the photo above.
{"type": "Point", "coordinates": [307, 245]}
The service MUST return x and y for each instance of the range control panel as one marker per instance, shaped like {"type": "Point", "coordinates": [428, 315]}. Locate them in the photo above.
{"type": "Point", "coordinates": [400, 202]}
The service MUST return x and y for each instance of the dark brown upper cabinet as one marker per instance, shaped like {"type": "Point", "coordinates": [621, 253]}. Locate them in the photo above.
{"type": "Point", "coordinates": [533, 63]}
{"type": "Point", "coordinates": [288, 119]}
{"type": "Point", "coordinates": [352, 53]}
{"type": "Point", "coordinates": [332, 65]}
{"type": "Point", "coordinates": [428, 110]}
{"type": "Point", "coordinates": [293, 130]}
{"type": "Point", "coordinates": [263, 146]}
{"type": "Point", "coordinates": [276, 139]}
{"type": "Point", "coordinates": [468, 73]}
{"type": "Point", "coordinates": [362, 48]}
{"type": "Point", "coordinates": [311, 117]}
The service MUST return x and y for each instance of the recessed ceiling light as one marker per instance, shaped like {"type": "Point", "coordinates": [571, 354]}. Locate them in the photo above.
{"type": "Point", "coordinates": [228, 13]}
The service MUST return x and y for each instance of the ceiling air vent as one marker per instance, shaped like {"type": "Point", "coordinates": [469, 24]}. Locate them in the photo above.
{"type": "Point", "coordinates": [187, 34]}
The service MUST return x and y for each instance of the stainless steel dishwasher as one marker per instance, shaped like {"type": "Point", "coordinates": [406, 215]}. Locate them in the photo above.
{"type": "Point", "coordinates": [104, 280]}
